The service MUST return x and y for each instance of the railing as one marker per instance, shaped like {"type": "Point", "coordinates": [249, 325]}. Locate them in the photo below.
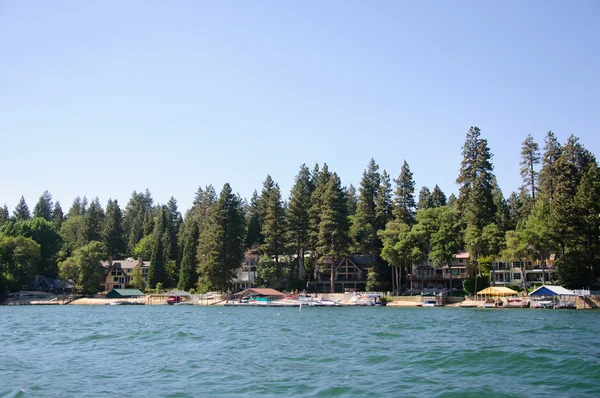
{"type": "Point", "coordinates": [439, 277]}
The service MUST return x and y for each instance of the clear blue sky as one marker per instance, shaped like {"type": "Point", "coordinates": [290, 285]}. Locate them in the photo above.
{"type": "Point", "coordinates": [101, 98]}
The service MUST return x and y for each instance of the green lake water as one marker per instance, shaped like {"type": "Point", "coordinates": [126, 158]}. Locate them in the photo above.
{"type": "Point", "coordinates": [189, 351]}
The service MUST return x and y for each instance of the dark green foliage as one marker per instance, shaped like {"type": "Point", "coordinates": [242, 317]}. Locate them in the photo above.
{"type": "Point", "coordinates": [45, 234]}
{"type": "Point", "coordinates": [383, 203]}
{"type": "Point", "coordinates": [272, 220]}
{"type": "Point", "coordinates": [112, 230]}
{"type": "Point", "coordinates": [438, 198]}
{"type": "Point", "coordinates": [21, 212]}
{"type": "Point", "coordinates": [78, 208]}
{"type": "Point", "coordinates": [552, 151]}
{"type": "Point", "coordinates": [253, 234]}
{"type": "Point", "coordinates": [57, 215]}
{"type": "Point", "coordinates": [135, 214]}
{"type": "Point", "coordinates": [85, 268]}
{"type": "Point", "coordinates": [174, 223]}
{"type": "Point", "coordinates": [94, 217]}
{"type": "Point", "coordinates": [221, 243]}
{"type": "Point", "coordinates": [530, 158]}
{"type": "Point", "coordinates": [425, 199]}
{"type": "Point", "coordinates": [364, 222]}
{"type": "Point", "coordinates": [157, 272]}
{"type": "Point", "coordinates": [73, 235]}
{"type": "Point", "coordinates": [188, 275]}
{"type": "Point", "coordinates": [333, 239]}
{"type": "Point", "coordinates": [4, 215]}
{"type": "Point", "coordinates": [43, 208]}
{"type": "Point", "coordinates": [19, 258]}
{"type": "Point", "coordinates": [352, 199]}
{"type": "Point", "coordinates": [320, 180]}
{"type": "Point", "coordinates": [404, 201]}
{"type": "Point", "coordinates": [297, 215]}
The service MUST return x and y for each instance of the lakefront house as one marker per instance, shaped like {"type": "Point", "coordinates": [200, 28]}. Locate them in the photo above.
{"type": "Point", "coordinates": [118, 275]}
{"type": "Point", "coordinates": [427, 276]}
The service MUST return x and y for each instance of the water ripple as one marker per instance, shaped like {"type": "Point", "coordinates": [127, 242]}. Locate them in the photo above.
{"type": "Point", "coordinates": [71, 351]}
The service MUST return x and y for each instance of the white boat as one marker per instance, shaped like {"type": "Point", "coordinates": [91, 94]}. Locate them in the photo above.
{"type": "Point", "coordinates": [428, 303]}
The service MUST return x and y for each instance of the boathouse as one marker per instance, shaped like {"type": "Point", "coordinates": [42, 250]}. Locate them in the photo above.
{"type": "Point", "coordinates": [124, 293]}
{"type": "Point", "coordinates": [261, 292]}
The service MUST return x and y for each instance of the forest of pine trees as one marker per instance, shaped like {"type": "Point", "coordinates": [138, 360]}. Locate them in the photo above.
{"type": "Point", "coordinates": [556, 211]}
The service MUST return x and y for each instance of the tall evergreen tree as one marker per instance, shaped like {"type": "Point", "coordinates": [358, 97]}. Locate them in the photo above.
{"type": "Point", "coordinates": [333, 227]}
{"type": "Point", "coordinates": [364, 222]}
{"type": "Point", "coordinates": [21, 212]}
{"type": "Point", "coordinates": [43, 208]}
{"type": "Point", "coordinates": [383, 203]}
{"type": "Point", "coordinates": [253, 234]}
{"type": "Point", "coordinates": [112, 230]}
{"type": "Point", "coordinates": [173, 227]}
{"type": "Point", "coordinates": [352, 199]}
{"type": "Point", "coordinates": [475, 202]}
{"type": "Point", "coordinates": [4, 215]}
{"type": "Point", "coordinates": [298, 219]}
{"type": "Point", "coordinates": [530, 158]}
{"type": "Point", "coordinates": [77, 208]}
{"type": "Point", "coordinates": [135, 214]}
{"type": "Point", "coordinates": [404, 201]}
{"type": "Point", "coordinates": [552, 151]}
{"type": "Point", "coordinates": [221, 247]}
{"type": "Point", "coordinates": [93, 221]}
{"type": "Point", "coordinates": [58, 216]}
{"type": "Point", "coordinates": [320, 179]}
{"type": "Point", "coordinates": [438, 198]}
{"type": "Point", "coordinates": [157, 272]}
{"type": "Point", "coordinates": [425, 199]}
{"type": "Point", "coordinates": [273, 222]}
{"type": "Point", "coordinates": [188, 275]}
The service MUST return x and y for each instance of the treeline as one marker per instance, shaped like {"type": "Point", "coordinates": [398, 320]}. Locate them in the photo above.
{"type": "Point", "coordinates": [556, 211]}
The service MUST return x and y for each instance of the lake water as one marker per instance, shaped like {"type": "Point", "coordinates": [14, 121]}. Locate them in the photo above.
{"type": "Point", "coordinates": [190, 351]}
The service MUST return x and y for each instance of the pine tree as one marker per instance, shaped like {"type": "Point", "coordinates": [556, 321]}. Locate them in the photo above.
{"type": "Point", "coordinates": [333, 227]}
{"type": "Point", "coordinates": [352, 199]}
{"type": "Point", "coordinates": [383, 204]}
{"type": "Point", "coordinates": [157, 272]}
{"type": "Point", "coordinates": [404, 201]}
{"type": "Point", "coordinates": [4, 215]}
{"type": "Point", "coordinates": [94, 216]}
{"type": "Point", "coordinates": [188, 276]}
{"type": "Point", "coordinates": [320, 180]}
{"type": "Point", "coordinates": [475, 202]}
{"type": "Point", "coordinates": [57, 215]}
{"type": "Point", "coordinates": [425, 199]}
{"type": "Point", "coordinates": [530, 158]}
{"type": "Point", "coordinates": [273, 221]}
{"type": "Point", "coordinates": [298, 219]}
{"type": "Point", "coordinates": [438, 198]}
{"type": "Point", "coordinates": [43, 208]}
{"type": "Point", "coordinates": [552, 151]}
{"type": "Point", "coordinates": [135, 214]}
{"type": "Point", "coordinates": [21, 212]}
{"type": "Point", "coordinates": [173, 227]}
{"type": "Point", "coordinates": [112, 230]}
{"type": "Point", "coordinates": [364, 222]}
{"type": "Point", "coordinates": [253, 235]}
{"type": "Point", "coordinates": [221, 242]}
{"type": "Point", "coordinates": [76, 208]}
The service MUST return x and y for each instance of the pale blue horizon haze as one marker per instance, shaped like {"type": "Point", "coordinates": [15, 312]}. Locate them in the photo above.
{"type": "Point", "coordinates": [102, 98]}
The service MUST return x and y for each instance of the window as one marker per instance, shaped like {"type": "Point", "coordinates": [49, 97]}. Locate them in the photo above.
{"type": "Point", "coordinates": [517, 276]}
{"type": "Point", "coordinates": [460, 260]}
{"type": "Point", "coordinates": [115, 279]}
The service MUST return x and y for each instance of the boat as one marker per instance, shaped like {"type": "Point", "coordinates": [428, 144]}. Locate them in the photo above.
{"type": "Point", "coordinates": [517, 302]}
{"type": "Point", "coordinates": [429, 303]}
